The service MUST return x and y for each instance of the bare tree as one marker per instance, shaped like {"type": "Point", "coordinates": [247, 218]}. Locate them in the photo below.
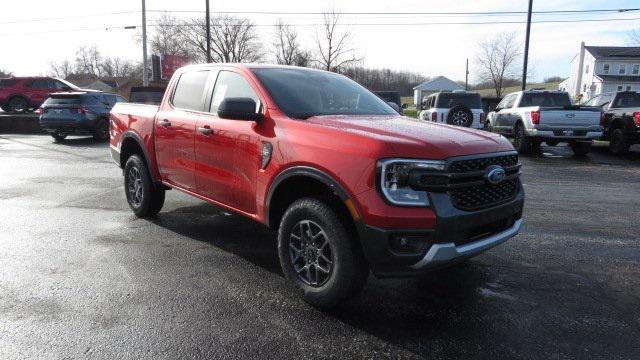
{"type": "Point", "coordinates": [88, 61]}
{"type": "Point", "coordinates": [497, 60]}
{"type": "Point", "coordinates": [167, 37]}
{"type": "Point", "coordinates": [286, 44]}
{"type": "Point", "coordinates": [5, 73]}
{"type": "Point", "coordinates": [232, 39]}
{"type": "Point", "coordinates": [61, 69]}
{"type": "Point", "coordinates": [334, 51]}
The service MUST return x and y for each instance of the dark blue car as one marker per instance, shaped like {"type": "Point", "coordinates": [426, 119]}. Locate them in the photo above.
{"type": "Point", "coordinates": [78, 113]}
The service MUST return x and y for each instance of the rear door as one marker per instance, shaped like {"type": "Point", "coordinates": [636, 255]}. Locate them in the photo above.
{"type": "Point", "coordinates": [175, 126]}
{"type": "Point", "coordinates": [228, 151]}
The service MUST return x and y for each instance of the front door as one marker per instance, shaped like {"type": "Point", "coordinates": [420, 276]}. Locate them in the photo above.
{"type": "Point", "coordinates": [227, 151]}
{"type": "Point", "coordinates": [175, 127]}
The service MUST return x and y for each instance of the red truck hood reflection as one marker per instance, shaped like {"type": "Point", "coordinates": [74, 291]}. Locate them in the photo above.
{"type": "Point", "coordinates": [417, 139]}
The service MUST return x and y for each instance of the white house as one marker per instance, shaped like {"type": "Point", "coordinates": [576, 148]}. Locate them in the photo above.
{"type": "Point", "coordinates": [434, 85]}
{"type": "Point", "coordinates": [603, 69]}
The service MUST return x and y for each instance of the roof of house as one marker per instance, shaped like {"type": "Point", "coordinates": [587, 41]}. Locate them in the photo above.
{"type": "Point", "coordinates": [439, 83]}
{"type": "Point", "coordinates": [619, 78]}
{"type": "Point", "coordinates": [614, 51]}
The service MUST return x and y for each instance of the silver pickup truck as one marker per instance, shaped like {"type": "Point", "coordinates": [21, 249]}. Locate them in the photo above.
{"type": "Point", "coordinates": [534, 116]}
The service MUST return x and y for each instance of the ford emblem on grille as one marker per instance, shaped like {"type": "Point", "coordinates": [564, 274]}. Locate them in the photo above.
{"type": "Point", "coordinates": [494, 174]}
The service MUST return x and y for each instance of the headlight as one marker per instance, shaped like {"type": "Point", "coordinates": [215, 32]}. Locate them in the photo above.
{"type": "Point", "coordinates": [394, 180]}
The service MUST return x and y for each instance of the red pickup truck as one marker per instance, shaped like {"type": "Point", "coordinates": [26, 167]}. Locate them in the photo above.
{"type": "Point", "coordinates": [349, 184]}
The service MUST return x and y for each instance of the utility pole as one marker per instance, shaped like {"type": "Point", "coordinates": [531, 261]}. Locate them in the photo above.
{"type": "Point", "coordinates": [145, 77]}
{"type": "Point", "coordinates": [526, 47]}
{"type": "Point", "coordinates": [466, 76]}
{"type": "Point", "coordinates": [208, 34]}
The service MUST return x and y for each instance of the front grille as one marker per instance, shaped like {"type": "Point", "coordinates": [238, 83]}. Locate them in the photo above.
{"type": "Point", "coordinates": [485, 195]}
{"type": "Point", "coordinates": [477, 164]}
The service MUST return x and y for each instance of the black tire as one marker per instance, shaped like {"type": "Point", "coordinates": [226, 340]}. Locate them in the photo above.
{"type": "Point", "coordinates": [58, 137]}
{"type": "Point", "coordinates": [17, 104]}
{"type": "Point", "coordinates": [580, 148]}
{"type": "Point", "coordinates": [101, 132]}
{"type": "Point", "coordinates": [618, 142]}
{"type": "Point", "coordinates": [144, 198]}
{"type": "Point", "coordinates": [328, 266]}
{"type": "Point", "coordinates": [552, 142]}
{"type": "Point", "coordinates": [460, 115]}
{"type": "Point", "coordinates": [523, 143]}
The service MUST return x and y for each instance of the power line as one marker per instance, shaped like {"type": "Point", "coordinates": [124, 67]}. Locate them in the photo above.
{"type": "Point", "coordinates": [67, 17]}
{"type": "Point", "coordinates": [411, 13]}
{"type": "Point", "coordinates": [419, 23]}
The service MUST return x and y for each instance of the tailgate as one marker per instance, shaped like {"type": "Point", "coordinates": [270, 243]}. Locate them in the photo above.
{"type": "Point", "coordinates": [570, 117]}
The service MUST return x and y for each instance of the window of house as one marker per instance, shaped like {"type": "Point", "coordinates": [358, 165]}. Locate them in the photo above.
{"type": "Point", "coordinates": [584, 87]}
{"type": "Point", "coordinates": [605, 68]}
{"type": "Point", "coordinates": [636, 69]}
{"type": "Point", "coordinates": [619, 87]}
{"type": "Point", "coordinates": [586, 70]}
{"type": "Point", "coordinates": [628, 87]}
{"type": "Point", "coordinates": [623, 69]}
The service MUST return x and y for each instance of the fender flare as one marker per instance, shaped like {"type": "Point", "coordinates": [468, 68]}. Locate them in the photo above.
{"type": "Point", "coordinates": [133, 135]}
{"type": "Point", "coordinates": [306, 171]}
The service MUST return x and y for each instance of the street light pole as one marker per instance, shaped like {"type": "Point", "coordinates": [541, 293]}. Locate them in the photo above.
{"type": "Point", "coordinates": [145, 77]}
{"type": "Point", "coordinates": [526, 47]}
{"type": "Point", "coordinates": [208, 34]}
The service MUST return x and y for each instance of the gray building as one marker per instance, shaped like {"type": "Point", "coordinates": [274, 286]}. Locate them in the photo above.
{"type": "Point", "coordinates": [432, 86]}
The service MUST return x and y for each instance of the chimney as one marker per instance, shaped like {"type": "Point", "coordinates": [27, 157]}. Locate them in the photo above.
{"type": "Point", "coordinates": [580, 70]}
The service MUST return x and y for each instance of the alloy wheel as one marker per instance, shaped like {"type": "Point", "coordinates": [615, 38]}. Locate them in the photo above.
{"type": "Point", "coordinates": [460, 118]}
{"type": "Point", "coordinates": [134, 186]}
{"type": "Point", "coordinates": [310, 253]}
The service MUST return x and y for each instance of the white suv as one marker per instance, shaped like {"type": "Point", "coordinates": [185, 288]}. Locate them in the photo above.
{"type": "Point", "coordinates": [459, 108]}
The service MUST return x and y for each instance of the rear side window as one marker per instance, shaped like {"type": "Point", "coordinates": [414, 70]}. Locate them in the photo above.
{"type": "Point", "coordinates": [449, 100]}
{"type": "Point", "coordinates": [39, 84]}
{"type": "Point", "coordinates": [229, 85]}
{"type": "Point", "coordinates": [67, 100]}
{"type": "Point", "coordinates": [7, 82]}
{"type": "Point", "coordinates": [189, 91]}
{"type": "Point", "coordinates": [545, 99]}
{"type": "Point", "coordinates": [627, 100]}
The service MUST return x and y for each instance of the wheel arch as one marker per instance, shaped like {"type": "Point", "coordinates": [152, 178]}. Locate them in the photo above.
{"type": "Point", "coordinates": [305, 181]}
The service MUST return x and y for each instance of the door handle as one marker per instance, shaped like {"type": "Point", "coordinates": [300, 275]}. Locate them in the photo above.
{"type": "Point", "coordinates": [205, 130]}
{"type": "Point", "coordinates": [165, 123]}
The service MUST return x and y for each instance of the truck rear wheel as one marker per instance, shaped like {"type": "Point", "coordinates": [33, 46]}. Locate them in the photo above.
{"type": "Point", "coordinates": [144, 198]}
{"type": "Point", "coordinates": [580, 148]}
{"type": "Point", "coordinates": [524, 144]}
{"type": "Point", "coordinates": [618, 143]}
{"type": "Point", "coordinates": [317, 254]}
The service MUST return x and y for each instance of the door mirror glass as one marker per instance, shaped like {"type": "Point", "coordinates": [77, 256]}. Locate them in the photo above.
{"type": "Point", "coordinates": [237, 108]}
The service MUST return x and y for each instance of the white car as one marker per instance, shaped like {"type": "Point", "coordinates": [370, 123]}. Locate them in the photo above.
{"type": "Point", "coordinates": [458, 108]}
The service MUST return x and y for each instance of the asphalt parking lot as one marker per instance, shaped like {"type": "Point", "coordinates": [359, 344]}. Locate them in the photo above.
{"type": "Point", "coordinates": [81, 277]}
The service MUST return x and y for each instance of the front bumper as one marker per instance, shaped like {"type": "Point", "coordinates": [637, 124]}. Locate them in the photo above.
{"type": "Point", "coordinates": [457, 235]}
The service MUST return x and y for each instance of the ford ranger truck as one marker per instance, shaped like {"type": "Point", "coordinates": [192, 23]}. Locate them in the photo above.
{"type": "Point", "coordinates": [535, 116]}
{"type": "Point", "coordinates": [350, 185]}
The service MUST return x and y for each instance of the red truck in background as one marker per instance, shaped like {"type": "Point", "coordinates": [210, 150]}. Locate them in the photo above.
{"type": "Point", "coordinates": [20, 94]}
{"type": "Point", "coordinates": [350, 185]}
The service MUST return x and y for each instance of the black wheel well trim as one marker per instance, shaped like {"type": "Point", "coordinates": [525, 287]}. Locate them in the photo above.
{"type": "Point", "coordinates": [135, 137]}
{"type": "Point", "coordinates": [309, 172]}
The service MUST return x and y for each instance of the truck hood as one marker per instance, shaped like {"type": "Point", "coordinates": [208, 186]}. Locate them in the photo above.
{"type": "Point", "coordinates": [417, 139]}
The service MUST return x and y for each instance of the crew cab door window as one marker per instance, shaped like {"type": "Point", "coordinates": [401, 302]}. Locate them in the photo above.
{"type": "Point", "coordinates": [230, 85]}
{"type": "Point", "coordinates": [189, 92]}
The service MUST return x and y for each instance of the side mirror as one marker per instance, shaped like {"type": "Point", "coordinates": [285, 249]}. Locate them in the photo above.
{"type": "Point", "coordinates": [405, 105]}
{"type": "Point", "coordinates": [239, 109]}
{"type": "Point", "coordinates": [394, 106]}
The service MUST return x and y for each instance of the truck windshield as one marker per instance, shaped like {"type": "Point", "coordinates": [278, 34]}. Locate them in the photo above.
{"type": "Point", "coordinates": [449, 100]}
{"type": "Point", "coordinates": [545, 99]}
{"type": "Point", "coordinates": [302, 94]}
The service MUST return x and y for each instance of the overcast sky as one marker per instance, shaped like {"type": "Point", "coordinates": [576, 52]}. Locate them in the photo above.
{"type": "Point", "coordinates": [31, 39]}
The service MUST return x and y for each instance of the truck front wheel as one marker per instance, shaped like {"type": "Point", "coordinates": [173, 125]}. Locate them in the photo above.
{"type": "Point", "coordinates": [317, 254]}
{"type": "Point", "coordinates": [144, 198]}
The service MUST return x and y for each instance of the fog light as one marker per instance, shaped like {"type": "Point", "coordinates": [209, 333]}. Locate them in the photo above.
{"type": "Point", "coordinates": [407, 244]}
